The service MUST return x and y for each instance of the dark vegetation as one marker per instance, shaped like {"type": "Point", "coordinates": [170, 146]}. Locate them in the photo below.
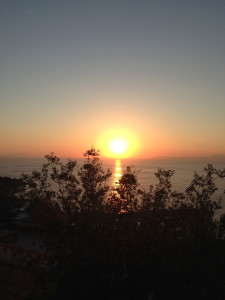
{"type": "Point", "coordinates": [124, 242]}
{"type": "Point", "coordinates": [9, 200]}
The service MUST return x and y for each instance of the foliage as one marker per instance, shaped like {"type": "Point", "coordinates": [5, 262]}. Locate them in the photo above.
{"type": "Point", "coordinates": [94, 182]}
{"type": "Point", "coordinates": [9, 199]}
{"type": "Point", "coordinates": [53, 191]}
{"type": "Point", "coordinates": [123, 242]}
{"type": "Point", "coordinates": [202, 188]}
{"type": "Point", "coordinates": [161, 196]}
{"type": "Point", "coordinates": [128, 190]}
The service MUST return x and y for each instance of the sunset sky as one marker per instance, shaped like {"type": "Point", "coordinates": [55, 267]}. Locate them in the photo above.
{"type": "Point", "coordinates": [76, 74]}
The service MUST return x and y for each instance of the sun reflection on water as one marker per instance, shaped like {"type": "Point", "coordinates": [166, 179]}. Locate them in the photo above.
{"type": "Point", "coordinates": [117, 172]}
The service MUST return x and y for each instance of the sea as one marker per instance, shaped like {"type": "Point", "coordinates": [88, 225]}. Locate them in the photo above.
{"type": "Point", "coordinates": [184, 169]}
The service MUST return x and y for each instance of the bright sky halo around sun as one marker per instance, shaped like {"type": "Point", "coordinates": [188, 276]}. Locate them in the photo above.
{"type": "Point", "coordinates": [117, 143]}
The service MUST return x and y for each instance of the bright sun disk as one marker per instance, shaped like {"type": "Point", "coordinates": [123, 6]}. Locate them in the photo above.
{"type": "Point", "coordinates": [118, 146]}
{"type": "Point", "coordinates": [117, 143]}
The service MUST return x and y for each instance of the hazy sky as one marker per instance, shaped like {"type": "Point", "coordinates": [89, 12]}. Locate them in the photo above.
{"type": "Point", "coordinates": [73, 70]}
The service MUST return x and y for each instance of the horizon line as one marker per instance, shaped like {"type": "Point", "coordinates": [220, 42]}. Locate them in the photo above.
{"type": "Point", "coordinates": [212, 156]}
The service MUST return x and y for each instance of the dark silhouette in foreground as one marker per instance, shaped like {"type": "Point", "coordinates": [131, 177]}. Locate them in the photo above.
{"type": "Point", "coordinates": [9, 200]}
{"type": "Point", "coordinates": [123, 242]}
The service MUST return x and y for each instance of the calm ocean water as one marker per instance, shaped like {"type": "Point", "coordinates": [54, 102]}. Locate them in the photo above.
{"type": "Point", "coordinates": [184, 168]}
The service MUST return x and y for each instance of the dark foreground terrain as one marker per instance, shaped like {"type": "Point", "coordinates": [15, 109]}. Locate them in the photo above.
{"type": "Point", "coordinates": [115, 243]}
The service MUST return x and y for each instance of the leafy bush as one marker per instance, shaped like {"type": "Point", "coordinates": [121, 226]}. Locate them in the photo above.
{"type": "Point", "coordinates": [123, 242]}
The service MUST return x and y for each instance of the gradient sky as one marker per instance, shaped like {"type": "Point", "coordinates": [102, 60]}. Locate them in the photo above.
{"type": "Point", "coordinates": [71, 71]}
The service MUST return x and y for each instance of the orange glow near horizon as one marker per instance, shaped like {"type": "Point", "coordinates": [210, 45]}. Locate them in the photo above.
{"type": "Point", "coordinates": [118, 143]}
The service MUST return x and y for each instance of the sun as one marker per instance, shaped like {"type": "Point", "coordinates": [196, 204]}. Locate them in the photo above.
{"type": "Point", "coordinates": [117, 143]}
{"type": "Point", "coordinates": [118, 146]}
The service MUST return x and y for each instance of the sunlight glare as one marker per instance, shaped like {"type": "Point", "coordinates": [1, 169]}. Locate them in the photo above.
{"type": "Point", "coordinates": [117, 171]}
{"type": "Point", "coordinates": [117, 143]}
{"type": "Point", "coordinates": [118, 146]}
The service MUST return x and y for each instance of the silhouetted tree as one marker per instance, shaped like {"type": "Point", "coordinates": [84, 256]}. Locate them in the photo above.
{"type": "Point", "coordinates": [161, 196]}
{"type": "Point", "coordinates": [202, 188]}
{"type": "Point", "coordinates": [93, 179]}
{"type": "Point", "coordinates": [124, 242]}
{"type": "Point", "coordinates": [128, 190]}
{"type": "Point", "coordinates": [52, 192]}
